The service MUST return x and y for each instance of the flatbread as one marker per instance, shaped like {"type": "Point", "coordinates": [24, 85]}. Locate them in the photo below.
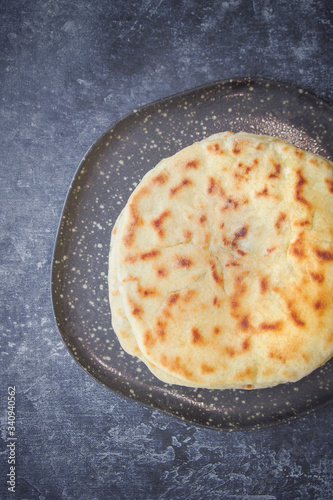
{"type": "Point", "coordinates": [221, 264]}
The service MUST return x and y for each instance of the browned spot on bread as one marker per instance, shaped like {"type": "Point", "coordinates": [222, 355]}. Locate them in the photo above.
{"type": "Point", "coordinates": [185, 182]}
{"type": "Point", "coordinates": [160, 178]}
{"type": "Point", "coordinates": [303, 223]}
{"type": "Point", "coordinates": [276, 325]}
{"type": "Point", "coordinates": [134, 218]}
{"type": "Point", "coordinates": [214, 188]}
{"type": "Point", "coordinates": [148, 340]}
{"type": "Point", "coordinates": [296, 319]}
{"type": "Point", "coordinates": [160, 329]}
{"type": "Point", "coordinates": [234, 304]}
{"type": "Point", "coordinates": [263, 192]}
{"type": "Point", "coordinates": [192, 164]}
{"type": "Point", "coordinates": [324, 255]}
{"type": "Point", "coordinates": [239, 278]}
{"type": "Point", "coordinates": [241, 252]}
{"type": "Point", "coordinates": [277, 355]}
{"type": "Point", "coordinates": [135, 222]}
{"type": "Point", "coordinates": [281, 218]}
{"type": "Point", "coordinates": [189, 295]}
{"type": "Point", "coordinates": [211, 185]}
{"type": "Point", "coordinates": [239, 144]}
{"type": "Point", "coordinates": [241, 233]}
{"type": "Point", "coordinates": [206, 240]}
{"type": "Point", "coordinates": [246, 344]}
{"type": "Point", "coordinates": [319, 304]}
{"type": "Point", "coordinates": [124, 334]}
{"type": "Point", "coordinates": [270, 250]}
{"type": "Point", "coordinates": [276, 172]}
{"type": "Point", "coordinates": [299, 189]}
{"type": "Point", "coordinates": [216, 277]}
{"type": "Point", "coordinates": [187, 235]}
{"type": "Point", "coordinates": [215, 148]}
{"type": "Point", "coordinates": [244, 374]}
{"type": "Point", "coordinates": [175, 366]}
{"type": "Point", "coordinates": [232, 263]}
{"type": "Point", "coordinates": [203, 219]}
{"type": "Point", "coordinates": [130, 277]}
{"type": "Point", "coordinates": [162, 272]}
{"type": "Point", "coordinates": [207, 369]}
{"type": "Point", "coordinates": [245, 323]}
{"type": "Point", "coordinates": [157, 223]}
{"type": "Point", "coordinates": [297, 248]}
{"type": "Point", "coordinates": [196, 336]}
{"type": "Point", "coordinates": [314, 161]}
{"type": "Point", "coordinates": [299, 153]}
{"type": "Point", "coordinates": [131, 258]}
{"type": "Point", "coordinates": [173, 298]}
{"type": "Point", "coordinates": [263, 285]}
{"type": "Point", "coordinates": [240, 289]}
{"type": "Point", "coordinates": [242, 171]}
{"type": "Point", "coordinates": [329, 183]}
{"type": "Point", "coordinates": [267, 372]}
{"type": "Point", "coordinates": [183, 261]}
{"type": "Point", "coordinates": [292, 310]}
{"type": "Point", "coordinates": [216, 302]}
{"type": "Point", "coordinates": [136, 310]}
{"type": "Point", "coordinates": [230, 351]}
{"type": "Point", "coordinates": [146, 292]}
{"type": "Point", "coordinates": [150, 255]}
{"type": "Point", "coordinates": [216, 330]}
{"type": "Point", "coordinates": [230, 203]}
{"type": "Point", "coordinates": [166, 313]}
{"type": "Point", "coordinates": [318, 277]}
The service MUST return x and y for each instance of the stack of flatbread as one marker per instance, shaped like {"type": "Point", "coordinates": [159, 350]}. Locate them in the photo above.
{"type": "Point", "coordinates": [221, 264]}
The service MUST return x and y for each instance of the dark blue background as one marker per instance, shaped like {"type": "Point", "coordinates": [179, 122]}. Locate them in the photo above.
{"type": "Point", "coordinates": [68, 69]}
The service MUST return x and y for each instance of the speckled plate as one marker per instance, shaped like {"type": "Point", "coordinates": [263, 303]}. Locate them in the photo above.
{"type": "Point", "coordinates": [107, 175]}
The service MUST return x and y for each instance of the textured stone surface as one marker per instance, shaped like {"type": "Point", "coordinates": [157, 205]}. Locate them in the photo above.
{"type": "Point", "coordinates": [68, 70]}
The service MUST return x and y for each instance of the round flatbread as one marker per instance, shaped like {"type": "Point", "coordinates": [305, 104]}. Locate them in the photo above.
{"type": "Point", "coordinates": [221, 264]}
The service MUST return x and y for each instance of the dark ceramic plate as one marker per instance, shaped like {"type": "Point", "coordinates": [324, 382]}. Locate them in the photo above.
{"type": "Point", "coordinates": [100, 189]}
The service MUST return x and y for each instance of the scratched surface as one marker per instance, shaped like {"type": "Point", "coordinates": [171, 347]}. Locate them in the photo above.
{"type": "Point", "coordinates": [69, 70]}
